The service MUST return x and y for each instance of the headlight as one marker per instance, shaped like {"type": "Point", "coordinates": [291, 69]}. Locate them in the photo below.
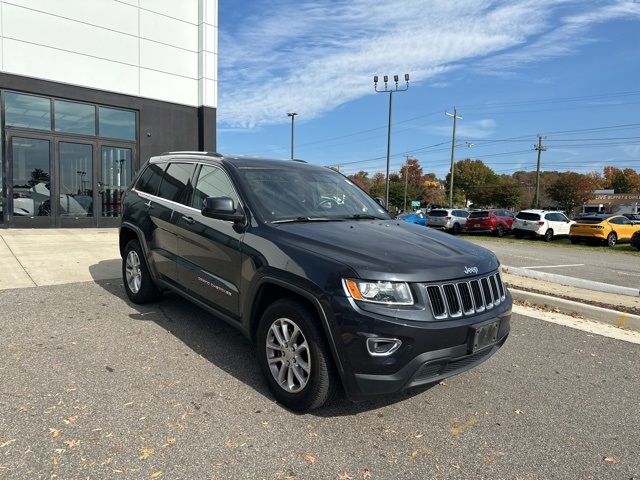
{"type": "Point", "coordinates": [389, 293]}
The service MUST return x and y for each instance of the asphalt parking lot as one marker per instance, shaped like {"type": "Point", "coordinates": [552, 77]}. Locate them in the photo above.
{"type": "Point", "coordinates": [616, 266]}
{"type": "Point", "coordinates": [94, 387]}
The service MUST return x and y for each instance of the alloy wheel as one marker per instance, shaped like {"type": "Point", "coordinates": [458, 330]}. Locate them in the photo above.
{"type": "Point", "coordinates": [611, 240]}
{"type": "Point", "coordinates": [133, 272]}
{"type": "Point", "coordinates": [288, 355]}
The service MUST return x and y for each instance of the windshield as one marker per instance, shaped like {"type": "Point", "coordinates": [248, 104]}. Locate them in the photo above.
{"type": "Point", "coordinates": [300, 194]}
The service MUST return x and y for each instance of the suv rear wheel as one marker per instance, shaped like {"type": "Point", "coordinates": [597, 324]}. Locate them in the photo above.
{"type": "Point", "coordinates": [294, 356]}
{"type": "Point", "coordinates": [138, 283]}
{"type": "Point", "coordinates": [500, 231]}
{"type": "Point", "coordinates": [548, 235]}
{"type": "Point", "coordinates": [456, 229]}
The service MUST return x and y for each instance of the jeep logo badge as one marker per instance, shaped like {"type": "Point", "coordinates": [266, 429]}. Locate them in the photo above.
{"type": "Point", "coordinates": [469, 270]}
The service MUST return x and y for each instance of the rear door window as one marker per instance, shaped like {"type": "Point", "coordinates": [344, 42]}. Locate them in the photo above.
{"type": "Point", "coordinates": [150, 179]}
{"type": "Point", "coordinates": [176, 183]}
{"type": "Point", "coordinates": [528, 216]}
{"type": "Point", "coordinates": [481, 214]}
{"type": "Point", "coordinates": [438, 213]}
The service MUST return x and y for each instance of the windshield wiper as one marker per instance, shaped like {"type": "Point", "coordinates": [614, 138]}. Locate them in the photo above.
{"type": "Point", "coordinates": [363, 216]}
{"type": "Point", "coordinates": [309, 219]}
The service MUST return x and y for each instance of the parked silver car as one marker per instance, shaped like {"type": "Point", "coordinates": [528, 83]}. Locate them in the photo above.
{"type": "Point", "coordinates": [448, 219]}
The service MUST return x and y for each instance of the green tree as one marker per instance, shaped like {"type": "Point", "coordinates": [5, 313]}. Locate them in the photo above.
{"type": "Point", "coordinates": [470, 177]}
{"type": "Point", "coordinates": [570, 190]}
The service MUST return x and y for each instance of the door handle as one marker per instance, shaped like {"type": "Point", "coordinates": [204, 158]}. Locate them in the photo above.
{"type": "Point", "coordinates": [188, 220]}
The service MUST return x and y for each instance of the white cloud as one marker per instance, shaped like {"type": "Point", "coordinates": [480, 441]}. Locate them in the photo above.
{"type": "Point", "coordinates": [313, 56]}
{"type": "Point", "coordinates": [475, 129]}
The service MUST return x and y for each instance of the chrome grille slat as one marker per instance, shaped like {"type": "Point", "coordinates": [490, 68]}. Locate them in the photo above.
{"type": "Point", "coordinates": [457, 299]}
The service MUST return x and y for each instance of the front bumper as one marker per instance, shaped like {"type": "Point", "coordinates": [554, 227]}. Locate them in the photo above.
{"type": "Point", "coordinates": [430, 350]}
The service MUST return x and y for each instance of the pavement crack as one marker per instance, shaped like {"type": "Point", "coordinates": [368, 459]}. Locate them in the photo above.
{"type": "Point", "coordinates": [19, 262]}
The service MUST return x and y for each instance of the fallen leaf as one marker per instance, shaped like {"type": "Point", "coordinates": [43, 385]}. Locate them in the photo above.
{"type": "Point", "coordinates": [344, 476]}
{"type": "Point", "coordinates": [155, 474]}
{"type": "Point", "coordinates": [7, 443]}
{"type": "Point", "coordinates": [71, 420]}
{"type": "Point", "coordinates": [365, 474]}
{"type": "Point", "coordinates": [230, 444]}
{"type": "Point", "coordinates": [170, 442]}
{"type": "Point", "coordinates": [56, 461]}
{"type": "Point", "coordinates": [461, 427]}
{"type": "Point", "coordinates": [611, 459]}
{"type": "Point", "coordinates": [69, 390]}
{"type": "Point", "coordinates": [443, 383]}
{"type": "Point", "coordinates": [145, 453]}
{"type": "Point", "coordinates": [54, 432]}
{"type": "Point", "coordinates": [307, 457]}
{"type": "Point", "coordinates": [518, 411]}
{"type": "Point", "coordinates": [180, 426]}
{"type": "Point", "coordinates": [72, 443]}
{"type": "Point", "coordinates": [116, 448]}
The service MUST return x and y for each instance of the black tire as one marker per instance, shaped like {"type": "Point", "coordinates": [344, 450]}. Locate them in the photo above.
{"type": "Point", "coordinates": [548, 235]}
{"type": "Point", "coordinates": [147, 291]}
{"type": "Point", "coordinates": [612, 239]}
{"type": "Point", "coordinates": [456, 229]}
{"type": "Point", "coordinates": [500, 231]}
{"type": "Point", "coordinates": [575, 241]}
{"type": "Point", "coordinates": [322, 380]}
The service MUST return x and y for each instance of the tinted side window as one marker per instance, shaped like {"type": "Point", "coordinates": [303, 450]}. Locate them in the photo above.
{"type": "Point", "coordinates": [150, 179]}
{"type": "Point", "coordinates": [212, 182]}
{"type": "Point", "coordinates": [616, 221]}
{"type": "Point", "coordinates": [176, 183]}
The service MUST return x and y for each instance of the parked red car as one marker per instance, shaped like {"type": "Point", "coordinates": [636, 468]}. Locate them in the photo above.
{"type": "Point", "coordinates": [495, 221]}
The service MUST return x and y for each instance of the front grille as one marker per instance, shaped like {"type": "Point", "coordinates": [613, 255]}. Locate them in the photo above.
{"type": "Point", "coordinates": [453, 300]}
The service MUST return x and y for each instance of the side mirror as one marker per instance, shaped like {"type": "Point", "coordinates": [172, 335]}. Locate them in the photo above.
{"type": "Point", "coordinates": [221, 208]}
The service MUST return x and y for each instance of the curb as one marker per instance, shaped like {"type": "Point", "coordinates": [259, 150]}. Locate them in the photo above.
{"type": "Point", "coordinates": [572, 281]}
{"type": "Point", "coordinates": [588, 312]}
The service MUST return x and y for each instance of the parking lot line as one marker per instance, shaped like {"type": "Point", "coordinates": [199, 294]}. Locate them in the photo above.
{"type": "Point", "coordinates": [556, 266]}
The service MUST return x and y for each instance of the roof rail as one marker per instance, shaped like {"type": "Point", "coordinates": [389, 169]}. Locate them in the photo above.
{"type": "Point", "coordinates": [299, 160]}
{"type": "Point", "coordinates": [208, 154]}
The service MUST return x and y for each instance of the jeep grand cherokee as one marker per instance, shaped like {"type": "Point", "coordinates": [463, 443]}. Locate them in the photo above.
{"type": "Point", "coordinates": [328, 286]}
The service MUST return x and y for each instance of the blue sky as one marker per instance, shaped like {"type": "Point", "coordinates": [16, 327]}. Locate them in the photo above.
{"type": "Point", "coordinates": [569, 70]}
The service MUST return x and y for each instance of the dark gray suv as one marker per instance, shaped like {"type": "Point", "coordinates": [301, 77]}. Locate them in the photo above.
{"type": "Point", "coordinates": [332, 290]}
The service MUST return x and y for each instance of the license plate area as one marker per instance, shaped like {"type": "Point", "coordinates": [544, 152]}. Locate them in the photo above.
{"type": "Point", "coordinates": [485, 336]}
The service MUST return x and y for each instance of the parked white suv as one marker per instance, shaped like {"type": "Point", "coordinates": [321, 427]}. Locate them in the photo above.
{"type": "Point", "coordinates": [451, 220]}
{"type": "Point", "coordinates": [541, 223]}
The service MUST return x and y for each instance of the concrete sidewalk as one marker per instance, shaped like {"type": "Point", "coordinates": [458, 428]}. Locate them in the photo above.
{"type": "Point", "coordinates": [32, 258]}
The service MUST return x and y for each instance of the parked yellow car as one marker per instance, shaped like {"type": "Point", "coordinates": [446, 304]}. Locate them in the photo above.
{"type": "Point", "coordinates": [609, 229]}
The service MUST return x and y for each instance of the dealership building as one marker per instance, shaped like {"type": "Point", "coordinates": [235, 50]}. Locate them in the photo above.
{"type": "Point", "coordinates": [89, 90]}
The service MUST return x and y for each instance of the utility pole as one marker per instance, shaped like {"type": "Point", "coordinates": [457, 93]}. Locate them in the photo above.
{"type": "Point", "coordinates": [540, 148]}
{"type": "Point", "coordinates": [293, 116]}
{"type": "Point", "coordinates": [453, 151]}
{"type": "Point", "coordinates": [390, 91]}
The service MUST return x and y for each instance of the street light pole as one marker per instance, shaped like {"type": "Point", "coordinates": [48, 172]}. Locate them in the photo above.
{"type": "Point", "coordinates": [293, 116]}
{"type": "Point", "coordinates": [453, 150]}
{"type": "Point", "coordinates": [390, 91]}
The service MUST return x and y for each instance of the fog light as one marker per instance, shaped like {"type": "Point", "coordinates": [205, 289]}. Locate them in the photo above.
{"type": "Point", "coordinates": [382, 347]}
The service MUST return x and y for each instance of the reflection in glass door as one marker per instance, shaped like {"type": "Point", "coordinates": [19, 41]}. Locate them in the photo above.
{"type": "Point", "coordinates": [30, 184]}
{"type": "Point", "coordinates": [115, 175]}
{"type": "Point", "coordinates": [75, 166]}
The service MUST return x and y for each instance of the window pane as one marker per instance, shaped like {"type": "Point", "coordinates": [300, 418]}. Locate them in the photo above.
{"type": "Point", "coordinates": [27, 111]}
{"type": "Point", "coordinates": [150, 179]}
{"type": "Point", "coordinates": [74, 117]}
{"type": "Point", "coordinates": [117, 123]}
{"type": "Point", "coordinates": [31, 177]}
{"type": "Point", "coordinates": [176, 183]}
{"type": "Point", "coordinates": [115, 175]}
{"type": "Point", "coordinates": [76, 179]}
{"type": "Point", "coordinates": [212, 182]}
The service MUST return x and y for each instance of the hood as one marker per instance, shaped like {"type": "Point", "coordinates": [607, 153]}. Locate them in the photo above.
{"type": "Point", "coordinates": [391, 249]}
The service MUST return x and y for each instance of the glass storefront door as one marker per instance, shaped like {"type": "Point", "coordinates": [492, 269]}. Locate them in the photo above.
{"type": "Point", "coordinates": [75, 163]}
{"type": "Point", "coordinates": [29, 181]}
{"type": "Point", "coordinates": [116, 171]}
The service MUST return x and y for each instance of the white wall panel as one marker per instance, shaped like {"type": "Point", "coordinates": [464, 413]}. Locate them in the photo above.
{"type": "Point", "coordinates": [168, 87]}
{"type": "Point", "coordinates": [208, 92]}
{"type": "Point", "coordinates": [57, 32]}
{"type": "Point", "coordinates": [168, 59]}
{"type": "Point", "coordinates": [59, 66]}
{"type": "Point", "coordinates": [209, 11]}
{"type": "Point", "coordinates": [186, 10]}
{"type": "Point", "coordinates": [208, 65]}
{"type": "Point", "coordinates": [167, 30]}
{"type": "Point", "coordinates": [106, 13]}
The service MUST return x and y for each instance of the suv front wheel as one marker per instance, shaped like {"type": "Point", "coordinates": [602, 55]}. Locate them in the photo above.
{"type": "Point", "coordinates": [138, 283]}
{"type": "Point", "coordinates": [294, 356]}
